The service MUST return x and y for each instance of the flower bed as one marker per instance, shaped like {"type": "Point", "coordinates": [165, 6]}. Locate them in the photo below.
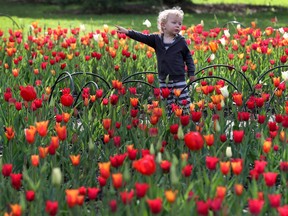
{"type": "Point", "coordinates": [85, 134]}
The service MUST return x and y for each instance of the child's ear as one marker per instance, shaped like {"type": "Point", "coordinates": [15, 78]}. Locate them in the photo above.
{"type": "Point", "coordinates": [162, 25]}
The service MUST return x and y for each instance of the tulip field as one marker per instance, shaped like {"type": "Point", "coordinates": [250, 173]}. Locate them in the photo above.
{"type": "Point", "coordinates": [85, 130]}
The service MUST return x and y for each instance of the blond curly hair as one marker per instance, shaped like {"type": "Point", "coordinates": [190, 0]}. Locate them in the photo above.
{"type": "Point", "coordinates": [163, 16]}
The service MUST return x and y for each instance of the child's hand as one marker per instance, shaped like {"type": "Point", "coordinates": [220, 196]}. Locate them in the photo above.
{"type": "Point", "coordinates": [122, 30]}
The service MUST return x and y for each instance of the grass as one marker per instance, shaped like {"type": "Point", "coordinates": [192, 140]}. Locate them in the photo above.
{"type": "Point", "coordinates": [52, 16]}
{"type": "Point", "coordinates": [249, 2]}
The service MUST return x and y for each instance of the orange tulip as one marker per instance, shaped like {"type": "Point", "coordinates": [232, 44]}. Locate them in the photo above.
{"type": "Point", "coordinates": [150, 78]}
{"type": "Point", "coordinates": [221, 192]}
{"type": "Point", "coordinates": [54, 141]}
{"type": "Point", "coordinates": [238, 189]}
{"type": "Point", "coordinates": [237, 98]}
{"type": "Point", "coordinates": [278, 93]}
{"type": "Point", "coordinates": [75, 159]}
{"type": "Point", "coordinates": [213, 46]}
{"type": "Point", "coordinates": [225, 167]}
{"type": "Point", "coordinates": [267, 146]}
{"type": "Point", "coordinates": [61, 131]}
{"type": "Point", "coordinates": [35, 160]}
{"type": "Point", "coordinates": [30, 134]}
{"type": "Point", "coordinates": [106, 138]}
{"type": "Point", "coordinates": [178, 112]}
{"type": "Point", "coordinates": [42, 128]}
{"type": "Point", "coordinates": [184, 156]}
{"type": "Point", "coordinates": [117, 180]}
{"type": "Point", "coordinates": [282, 136]}
{"type": "Point", "coordinates": [72, 197]}
{"type": "Point", "coordinates": [9, 133]}
{"type": "Point", "coordinates": [16, 209]}
{"type": "Point", "coordinates": [236, 167]}
{"type": "Point", "coordinates": [157, 111]}
{"type": "Point", "coordinates": [177, 92]}
{"type": "Point", "coordinates": [276, 81]}
{"type": "Point", "coordinates": [66, 117]}
{"type": "Point", "coordinates": [104, 168]}
{"type": "Point", "coordinates": [171, 195]}
{"type": "Point", "coordinates": [209, 139]}
{"type": "Point", "coordinates": [216, 99]}
{"type": "Point", "coordinates": [134, 102]}
{"type": "Point", "coordinates": [43, 151]}
{"type": "Point", "coordinates": [106, 123]}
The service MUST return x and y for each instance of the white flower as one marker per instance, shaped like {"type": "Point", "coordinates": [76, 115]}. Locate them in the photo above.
{"type": "Point", "coordinates": [222, 41]}
{"type": "Point", "coordinates": [147, 23]}
{"type": "Point", "coordinates": [96, 37]}
{"type": "Point", "coordinates": [285, 36]}
{"type": "Point", "coordinates": [202, 23]}
{"type": "Point", "coordinates": [212, 57]}
{"type": "Point", "coordinates": [56, 176]}
{"type": "Point", "coordinates": [285, 75]}
{"type": "Point", "coordinates": [82, 27]}
{"type": "Point", "coordinates": [229, 152]}
{"type": "Point", "coordinates": [238, 26]}
{"type": "Point", "coordinates": [281, 30]}
{"type": "Point", "coordinates": [224, 91]}
{"type": "Point", "coordinates": [226, 33]}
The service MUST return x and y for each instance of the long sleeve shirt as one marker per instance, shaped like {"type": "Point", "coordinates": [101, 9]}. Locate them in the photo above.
{"type": "Point", "coordinates": [170, 61]}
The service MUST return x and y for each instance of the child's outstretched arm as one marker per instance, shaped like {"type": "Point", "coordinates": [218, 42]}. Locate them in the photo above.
{"type": "Point", "coordinates": [122, 30]}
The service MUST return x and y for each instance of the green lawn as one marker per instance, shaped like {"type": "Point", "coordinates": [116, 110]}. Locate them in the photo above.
{"type": "Point", "coordinates": [252, 2]}
{"type": "Point", "coordinates": [52, 16]}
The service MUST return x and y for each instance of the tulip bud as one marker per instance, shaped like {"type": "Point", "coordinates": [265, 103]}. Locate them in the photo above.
{"type": "Point", "coordinates": [222, 103]}
{"type": "Point", "coordinates": [229, 152]}
{"type": "Point", "coordinates": [56, 176]}
{"type": "Point", "coordinates": [159, 157]}
{"type": "Point", "coordinates": [217, 127]}
{"type": "Point", "coordinates": [152, 149]}
{"type": "Point", "coordinates": [180, 133]}
{"type": "Point", "coordinates": [91, 145]}
{"type": "Point", "coordinates": [158, 145]}
{"type": "Point", "coordinates": [173, 173]}
{"type": "Point", "coordinates": [126, 173]}
{"type": "Point", "coordinates": [167, 79]}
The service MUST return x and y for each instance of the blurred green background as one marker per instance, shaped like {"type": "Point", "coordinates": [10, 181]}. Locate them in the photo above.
{"type": "Point", "coordinates": [94, 14]}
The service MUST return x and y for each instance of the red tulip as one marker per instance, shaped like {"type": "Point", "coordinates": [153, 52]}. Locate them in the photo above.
{"type": "Point", "coordinates": [211, 162]}
{"type": "Point", "coordinates": [66, 98]}
{"type": "Point", "coordinates": [127, 197]}
{"type": "Point", "coordinates": [28, 93]}
{"type": "Point", "coordinates": [187, 170]}
{"type": "Point", "coordinates": [270, 178]}
{"type": "Point", "coordinates": [16, 180]}
{"type": "Point", "coordinates": [51, 207]}
{"type": "Point", "coordinates": [146, 165]}
{"type": "Point", "coordinates": [141, 189]}
{"type": "Point", "coordinates": [30, 195]}
{"type": "Point", "coordinates": [194, 141]}
{"type": "Point", "coordinates": [92, 192]}
{"type": "Point", "coordinates": [238, 136]}
{"type": "Point", "coordinates": [255, 206]}
{"type": "Point", "coordinates": [7, 169]}
{"type": "Point", "coordinates": [275, 200]}
{"type": "Point", "coordinates": [155, 205]}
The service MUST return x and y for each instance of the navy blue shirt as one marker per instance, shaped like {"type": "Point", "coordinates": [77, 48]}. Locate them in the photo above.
{"type": "Point", "coordinates": [170, 61]}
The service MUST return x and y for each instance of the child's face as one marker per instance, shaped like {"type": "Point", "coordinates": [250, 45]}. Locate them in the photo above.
{"type": "Point", "coordinates": [173, 24]}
